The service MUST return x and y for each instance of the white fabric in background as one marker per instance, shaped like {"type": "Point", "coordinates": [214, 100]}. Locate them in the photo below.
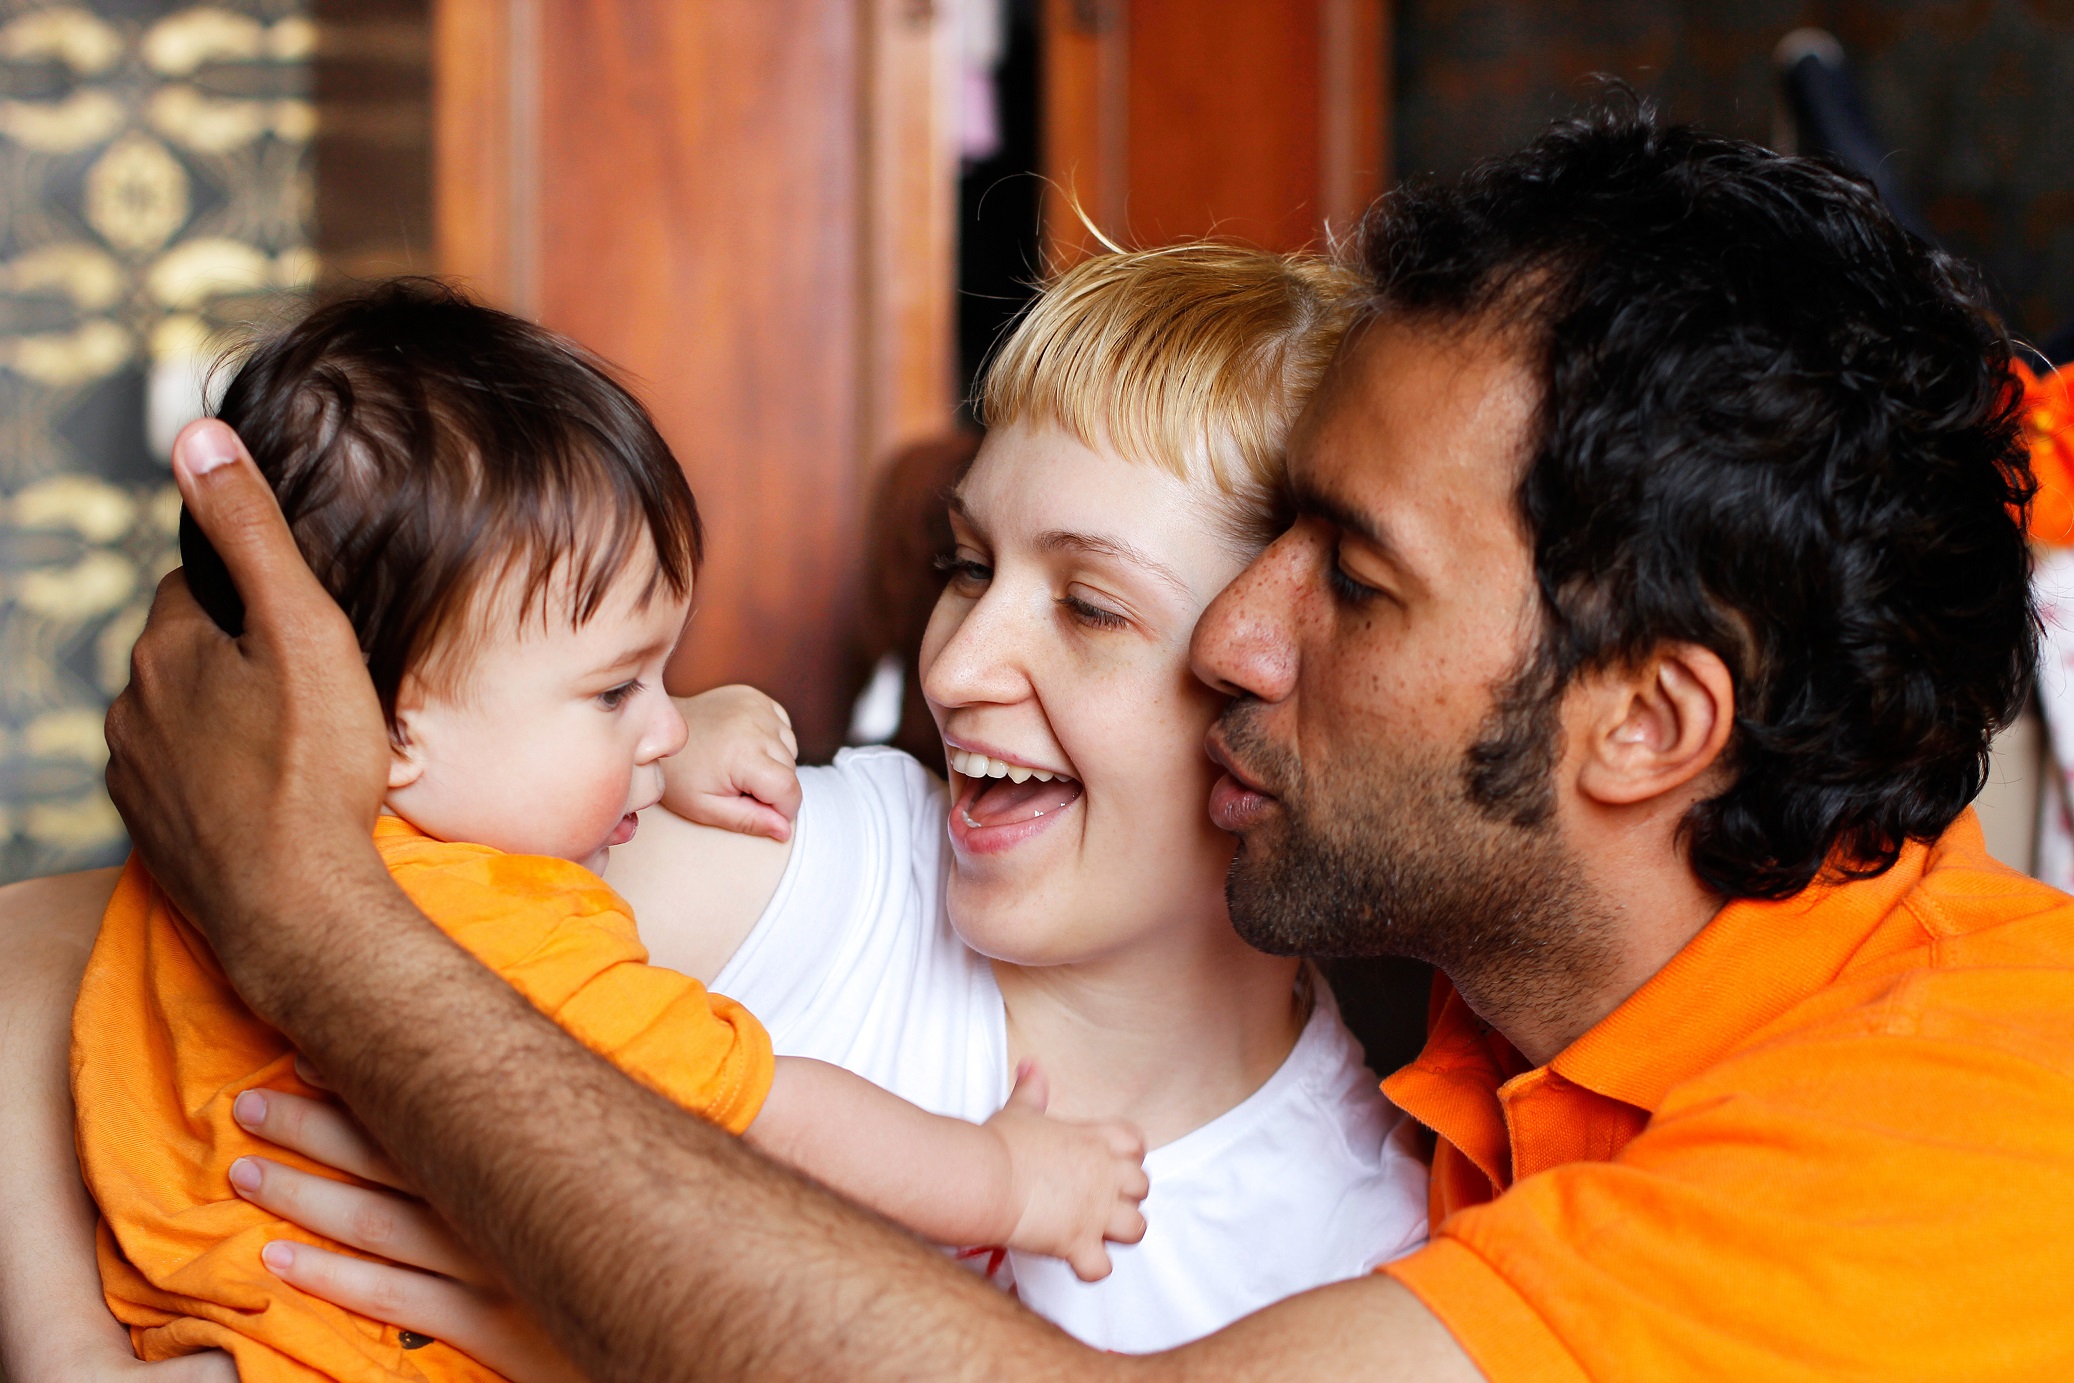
{"type": "Point", "coordinates": [1312, 1179]}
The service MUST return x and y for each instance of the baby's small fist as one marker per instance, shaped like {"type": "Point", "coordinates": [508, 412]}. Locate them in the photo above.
{"type": "Point", "coordinates": [738, 768]}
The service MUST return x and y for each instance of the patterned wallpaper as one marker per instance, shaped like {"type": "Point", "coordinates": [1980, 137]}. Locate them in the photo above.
{"type": "Point", "coordinates": [154, 195]}
{"type": "Point", "coordinates": [1975, 96]}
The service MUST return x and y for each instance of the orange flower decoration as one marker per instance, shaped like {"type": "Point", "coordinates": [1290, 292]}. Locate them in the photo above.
{"type": "Point", "coordinates": [2049, 424]}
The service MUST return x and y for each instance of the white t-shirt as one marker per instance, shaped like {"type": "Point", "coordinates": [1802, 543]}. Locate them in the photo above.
{"type": "Point", "coordinates": [1309, 1180]}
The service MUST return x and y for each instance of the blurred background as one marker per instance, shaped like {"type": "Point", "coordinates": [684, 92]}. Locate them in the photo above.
{"type": "Point", "coordinates": [798, 225]}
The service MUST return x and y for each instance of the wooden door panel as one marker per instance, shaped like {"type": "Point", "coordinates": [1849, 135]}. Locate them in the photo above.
{"type": "Point", "coordinates": [737, 203]}
{"type": "Point", "coordinates": [1258, 120]}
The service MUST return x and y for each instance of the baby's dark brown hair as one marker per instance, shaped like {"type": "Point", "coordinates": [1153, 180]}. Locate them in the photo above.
{"type": "Point", "coordinates": [426, 449]}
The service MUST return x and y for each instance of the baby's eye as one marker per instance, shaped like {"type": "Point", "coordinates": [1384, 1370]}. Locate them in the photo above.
{"type": "Point", "coordinates": [617, 696]}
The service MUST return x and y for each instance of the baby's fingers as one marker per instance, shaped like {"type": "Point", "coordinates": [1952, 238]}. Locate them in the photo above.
{"type": "Point", "coordinates": [1089, 1264]}
{"type": "Point", "coordinates": [1126, 1223]}
{"type": "Point", "coordinates": [742, 815]}
{"type": "Point", "coordinates": [773, 781]}
{"type": "Point", "coordinates": [1125, 1140]}
{"type": "Point", "coordinates": [790, 740]}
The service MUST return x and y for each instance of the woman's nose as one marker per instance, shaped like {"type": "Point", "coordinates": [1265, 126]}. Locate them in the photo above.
{"type": "Point", "coordinates": [983, 660]}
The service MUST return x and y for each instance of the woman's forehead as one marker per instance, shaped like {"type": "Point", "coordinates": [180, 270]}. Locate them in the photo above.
{"type": "Point", "coordinates": [1042, 486]}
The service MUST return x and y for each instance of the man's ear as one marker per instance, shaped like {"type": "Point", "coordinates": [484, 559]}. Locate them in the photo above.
{"type": "Point", "coordinates": [406, 753]}
{"type": "Point", "coordinates": [1656, 726]}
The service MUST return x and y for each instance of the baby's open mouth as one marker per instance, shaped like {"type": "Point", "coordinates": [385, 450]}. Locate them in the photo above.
{"type": "Point", "coordinates": [997, 793]}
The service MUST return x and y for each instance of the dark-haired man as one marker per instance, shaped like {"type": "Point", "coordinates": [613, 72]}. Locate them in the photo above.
{"type": "Point", "coordinates": [1652, 597]}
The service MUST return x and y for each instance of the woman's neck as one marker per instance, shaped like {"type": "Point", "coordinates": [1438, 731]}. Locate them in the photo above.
{"type": "Point", "coordinates": [1168, 1035]}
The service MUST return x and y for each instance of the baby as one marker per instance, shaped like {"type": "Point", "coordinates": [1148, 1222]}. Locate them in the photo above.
{"type": "Point", "coordinates": [516, 548]}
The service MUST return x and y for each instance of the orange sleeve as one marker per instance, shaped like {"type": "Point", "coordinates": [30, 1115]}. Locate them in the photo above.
{"type": "Point", "coordinates": [1887, 1194]}
{"type": "Point", "coordinates": [566, 941]}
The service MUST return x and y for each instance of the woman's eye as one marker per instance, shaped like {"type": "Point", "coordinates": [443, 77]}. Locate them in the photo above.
{"type": "Point", "coordinates": [965, 571]}
{"type": "Point", "coordinates": [1092, 615]}
{"type": "Point", "coordinates": [617, 697]}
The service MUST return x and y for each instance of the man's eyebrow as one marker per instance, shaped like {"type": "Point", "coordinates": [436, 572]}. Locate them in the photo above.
{"type": "Point", "coordinates": [1061, 540]}
{"type": "Point", "coordinates": [1312, 503]}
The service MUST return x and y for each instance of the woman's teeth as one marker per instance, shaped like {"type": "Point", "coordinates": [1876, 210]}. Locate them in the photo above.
{"type": "Point", "coordinates": [980, 766]}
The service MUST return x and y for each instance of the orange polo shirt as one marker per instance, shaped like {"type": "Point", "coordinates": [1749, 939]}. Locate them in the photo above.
{"type": "Point", "coordinates": [1833, 1138]}
{"type": "Point", "coordinates": [162, 1046]}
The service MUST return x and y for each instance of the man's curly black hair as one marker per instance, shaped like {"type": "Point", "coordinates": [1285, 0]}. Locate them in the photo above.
{"type": "Point", "coordinates": [1773, 423]}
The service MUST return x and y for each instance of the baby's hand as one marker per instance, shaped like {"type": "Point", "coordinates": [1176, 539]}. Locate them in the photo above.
{"type": "Point", "coordinates": [739, 768]}
{"type": "Point", "coordinates": [1073, 1185]}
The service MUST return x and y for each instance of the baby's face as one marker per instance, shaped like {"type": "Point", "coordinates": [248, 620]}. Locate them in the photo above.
{"type": "Point", "coordinates": [551, 738]}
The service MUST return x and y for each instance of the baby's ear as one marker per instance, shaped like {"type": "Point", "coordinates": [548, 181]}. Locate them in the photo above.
{"type": "Point", "coordinates": [406, 764]}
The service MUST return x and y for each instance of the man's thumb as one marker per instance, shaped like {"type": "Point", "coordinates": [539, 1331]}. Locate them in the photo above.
{"type": "Point", "coordinates": [235, 509]}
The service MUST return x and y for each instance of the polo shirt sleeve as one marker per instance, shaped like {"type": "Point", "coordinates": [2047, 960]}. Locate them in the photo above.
{"type": "Point", "coordinates": [1885, 1194]}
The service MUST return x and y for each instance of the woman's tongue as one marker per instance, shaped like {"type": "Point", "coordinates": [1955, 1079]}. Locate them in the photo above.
{"type": "Point", "coordinates": [1004, 802]}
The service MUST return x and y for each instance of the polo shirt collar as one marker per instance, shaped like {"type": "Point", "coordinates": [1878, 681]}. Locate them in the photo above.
{"type": "Point", "coordinates": [1752, 962]}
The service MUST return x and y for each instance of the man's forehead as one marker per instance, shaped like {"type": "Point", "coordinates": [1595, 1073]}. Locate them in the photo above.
{"type": "Point", "coordinates": [1419, 426]}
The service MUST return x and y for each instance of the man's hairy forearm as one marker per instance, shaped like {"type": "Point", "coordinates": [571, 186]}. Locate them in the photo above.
{"type": "Point", "coordinates": [653, 1244]}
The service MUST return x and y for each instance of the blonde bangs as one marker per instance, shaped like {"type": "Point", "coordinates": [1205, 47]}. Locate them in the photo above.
{"type": "Point", "coordinates": [1193, 357]}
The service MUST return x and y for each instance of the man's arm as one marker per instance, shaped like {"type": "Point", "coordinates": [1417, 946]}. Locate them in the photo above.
{"type": "Point", "coordinates": [652, 1244]}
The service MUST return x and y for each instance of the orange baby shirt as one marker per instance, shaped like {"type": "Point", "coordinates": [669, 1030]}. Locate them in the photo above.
{"type": "Point", "coordinates": [161, 1046]}
{"type": "Point", "coordinates": [1833, 1138]}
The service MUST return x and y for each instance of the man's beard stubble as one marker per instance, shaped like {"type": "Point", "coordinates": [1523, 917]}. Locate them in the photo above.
{"type": "Point", "coordinates": [1457, 861]}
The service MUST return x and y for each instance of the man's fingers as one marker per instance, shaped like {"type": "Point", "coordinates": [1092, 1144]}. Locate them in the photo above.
{"type": "Point", "coordinates": [376, 1222]}
{"type": "Point", "coordinates": [317, 1129]}
{"type": "Point", "coordinates": [449, 1312]}
{"type": "Point", "coordinates": [395, 1296]}
{"type": "Point", "coordinates": [236, 509]}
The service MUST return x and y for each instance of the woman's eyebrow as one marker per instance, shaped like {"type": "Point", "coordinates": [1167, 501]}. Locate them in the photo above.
{"type": "Point", "coordinates": [955, 502]}
{"type": "Point", "coordinates": [1060, 540]}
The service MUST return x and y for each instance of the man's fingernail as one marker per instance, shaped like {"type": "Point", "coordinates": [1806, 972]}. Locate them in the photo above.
{"type": "Point", "coordinates": [279, 1256]}
{"type": "Point", "coordinates": [207, 448]}
{"type": "Point", "coordinates": [249, 1109]}
{"type": "Point", "coordinates": [244, 1175]}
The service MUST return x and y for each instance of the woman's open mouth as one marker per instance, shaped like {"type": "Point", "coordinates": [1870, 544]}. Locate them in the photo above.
{"type": "Point", "coordinates": [1001, 804]}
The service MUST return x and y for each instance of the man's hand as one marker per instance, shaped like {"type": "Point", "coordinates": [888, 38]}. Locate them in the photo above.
{"type": "Point", "coordinates": [239, 764]}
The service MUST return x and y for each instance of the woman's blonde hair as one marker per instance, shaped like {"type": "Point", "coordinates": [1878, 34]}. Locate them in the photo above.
{"type": "Point", "coordinates": [1195, 358]}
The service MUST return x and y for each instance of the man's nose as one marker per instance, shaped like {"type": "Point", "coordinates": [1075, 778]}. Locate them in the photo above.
{"type": "Point", "coordinates": [1245, 644]}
